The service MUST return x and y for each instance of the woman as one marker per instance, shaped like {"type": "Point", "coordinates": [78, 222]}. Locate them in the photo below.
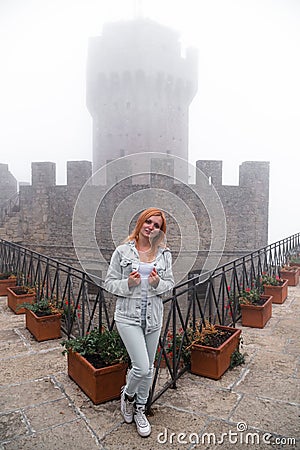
{"type": "Point", "coordinates": [140, 272]}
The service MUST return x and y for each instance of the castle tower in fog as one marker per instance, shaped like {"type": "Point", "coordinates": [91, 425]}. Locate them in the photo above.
{"type": "Point", "coordinates": [139, 89]}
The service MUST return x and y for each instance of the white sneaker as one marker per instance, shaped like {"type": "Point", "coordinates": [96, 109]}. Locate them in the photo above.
{"type": "Point", "coordinates": [142, 425]}
{"type": "Point", "coordinates": [127, 407]}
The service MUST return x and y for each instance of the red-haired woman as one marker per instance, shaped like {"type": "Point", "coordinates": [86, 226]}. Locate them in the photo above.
{"type": "Point", "coordinates": [140, 272]}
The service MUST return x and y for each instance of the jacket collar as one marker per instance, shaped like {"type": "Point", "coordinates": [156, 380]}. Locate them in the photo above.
{"type": "Point", "coordinates": [160, 251]}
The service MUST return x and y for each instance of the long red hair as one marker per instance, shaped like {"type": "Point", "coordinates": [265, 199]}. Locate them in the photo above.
{"type": "Point", "coordinates": [141, 220]}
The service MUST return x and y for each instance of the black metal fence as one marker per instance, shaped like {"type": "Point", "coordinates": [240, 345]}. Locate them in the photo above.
{"type": "Point", "coordinates": [208, 297]}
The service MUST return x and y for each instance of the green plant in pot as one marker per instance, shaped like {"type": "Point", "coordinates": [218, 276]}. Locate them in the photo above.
{"type": "Point", "coordinates": [211, 349]}
{"type": "Point", "coordinates": [270, 280]}
{"type": "Point", "coordinates": [43, 318]}
{"type": "Point", "coordinates": [43, 307]}
{"type": "Point", "coordinates": [275, 286]}
{"type": "Point", "coordinates": [97, 362]}
{"type": "Point", "coordinates": [290, 273]}
{"type": "Point", "coordinates": [7, 279]}
{"type": "Point", "coordinates": [256, 308]}
{"type": "Point", "coordinates": [250, 297]}
{"type": "Point", "coordinates": [294, 259]}
{"type": "Point", "coordinates": [7, 276]}
{"type": "Point", "coordinates": [101, 349]}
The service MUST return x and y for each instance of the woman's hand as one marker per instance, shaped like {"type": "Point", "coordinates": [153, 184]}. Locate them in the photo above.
{"type": "Point", "coordinates": [134, 279]}
{"type": "Point", "coordinates": [153, 278]}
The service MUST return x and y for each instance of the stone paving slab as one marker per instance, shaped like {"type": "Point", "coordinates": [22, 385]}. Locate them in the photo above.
{"type": "Point", "coordinates": [11, 347]}
{"type": "Point", "coordinates": [42, 408]}
{"type": "Point", "coordinates": [35, 364]}
{"type": "Point", "coordinates": [74, 435]}
{"type": "Point", "coordinates": [274, 364]}
{"type": "Point", "coordinates": [277, 388]}
{"type": "Point", "coordinates": [12, 426]}
{"type": "Point", "coordinates": [165, 421]}
{"type": "Point", "coordinates": [199, 399]}
{"type": "Point", "coordinates": [50, 414]}
{"type": "Point", "coordinates": [261, 413]}
{"type": "Point", "coordinates": [34, 392]}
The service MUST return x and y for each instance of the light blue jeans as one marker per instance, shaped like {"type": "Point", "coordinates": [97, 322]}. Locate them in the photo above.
{"type": "Point", "coordinates": [141, 348]}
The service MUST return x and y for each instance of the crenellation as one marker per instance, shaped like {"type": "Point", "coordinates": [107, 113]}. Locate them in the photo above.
{"type": "Point", "coordinates": [252, 173]}
{"type": "Point", "coordinates": [212, 169]}
{"type": "Point", "coordinates": [43, 174]}
{"type": "Point", "coordinates": [45, 216]}
{"type": "Point", "coordinates": [78, 173]}
{"type": "Point", "coordinates": [162, 173]}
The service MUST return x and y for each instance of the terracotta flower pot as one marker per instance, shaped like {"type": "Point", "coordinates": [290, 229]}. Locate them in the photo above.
{"type": "Point", "coordinates": [100, 385]}
{"type": "Point", "coordinates": [291, 275]}
{"type": "Point", "coordinates": [14, 300]}
{"type": "Point", "coordinates": [279, 293]}
{"type": "Point", "coordinates": [4, 284]}
{"type": "Point", "coordinates": [294, 264]}
{"type": "Point", "coordinates": [45, 327]}
{"type": "Point", "coordinates": [213, 362]}
{"type": "Point", "coordinates": [257, 316]}
{"type": "Point", "coordinates": [163, 363]}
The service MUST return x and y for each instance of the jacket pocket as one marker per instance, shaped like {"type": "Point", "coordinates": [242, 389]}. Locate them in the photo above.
{"type": "Point", "coordinates": [126, 307]}
{"type": "Point", "coordinates": [126, 267]}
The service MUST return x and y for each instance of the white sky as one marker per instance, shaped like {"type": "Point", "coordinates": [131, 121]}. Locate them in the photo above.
{"type": "Point", "coordinates": [248, 101]}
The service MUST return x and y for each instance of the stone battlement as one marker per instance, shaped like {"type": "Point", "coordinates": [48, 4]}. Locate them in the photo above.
{"type": "Point", "coordinates": [44, 218]}
{"type": "Point", "coordinates": [251, 173]}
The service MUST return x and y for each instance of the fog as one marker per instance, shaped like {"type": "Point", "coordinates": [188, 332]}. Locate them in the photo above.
{"type": "Point", "coordinates": [246, 108]}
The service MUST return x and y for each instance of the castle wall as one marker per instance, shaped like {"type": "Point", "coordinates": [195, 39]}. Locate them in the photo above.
{"type": "Point", "coordinates": [8, 184]}
{"type": "Point", "coordinates": [44, 222]}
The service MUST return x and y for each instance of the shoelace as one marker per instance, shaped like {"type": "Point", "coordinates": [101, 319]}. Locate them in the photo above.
{"type": "Point", "coordinates": [128, 406]}
{"type": "Point", "coordinates": [141, 418]}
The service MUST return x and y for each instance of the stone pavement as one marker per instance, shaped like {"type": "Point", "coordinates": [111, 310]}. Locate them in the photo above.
{"type": "Point", "coordinates": [41, 408]}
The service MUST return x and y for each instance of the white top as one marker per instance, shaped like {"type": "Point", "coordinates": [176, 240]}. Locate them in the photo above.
{"type": "Point", "coordinates": [145, 269]}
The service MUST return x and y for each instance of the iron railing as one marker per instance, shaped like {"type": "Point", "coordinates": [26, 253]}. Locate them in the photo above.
{"type": "Point", "coordinates": [211, 297]}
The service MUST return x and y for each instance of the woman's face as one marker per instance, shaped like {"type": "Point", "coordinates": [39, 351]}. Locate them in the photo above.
{"type": "Point", "coordinates": [151, 226]}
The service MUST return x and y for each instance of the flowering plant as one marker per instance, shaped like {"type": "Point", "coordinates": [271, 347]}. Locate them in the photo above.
{"type": "Point", "coordinates": [43, 307]}
{"type": "Point", "coordinates": [295, 259]}
{"type": "Point", "coordinates": [289, 268]}
{"type": "Point", "coordinates": [70, 309]}
{"type": "Point", "coordinates": [203, 335]}
{"type": "Point", "coordinates": [269, 280]}
{"type": "Point", "coordinates": [169, 346]}
{"type": "Point", "coordinates": [211, 336]}
{"type": "Point", "coordinates": [7, 276]}
{"type": "Point", "coordinates": [105, 345]}
{"type": "Point", "coordinates": [24, 289]}
{"type": "Point", "coordinates": [249, 296]}
{"type": "Point", "coordinates": [232, 305]}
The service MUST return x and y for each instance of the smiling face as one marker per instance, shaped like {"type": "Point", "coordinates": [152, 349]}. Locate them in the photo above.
{"type": "Point", "coordinates": [150, 223]}
{"type": "Point", "coordinates": [151, 227]}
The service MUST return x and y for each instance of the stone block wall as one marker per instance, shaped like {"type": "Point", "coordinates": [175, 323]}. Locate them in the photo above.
{"type": "Point", "coordinates": [44, 222]}
{"type": "Point", "coordinates": [8, 184]}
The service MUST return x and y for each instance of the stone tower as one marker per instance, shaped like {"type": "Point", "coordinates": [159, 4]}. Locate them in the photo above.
{"type": "Point", "coordinates": [139, 88]}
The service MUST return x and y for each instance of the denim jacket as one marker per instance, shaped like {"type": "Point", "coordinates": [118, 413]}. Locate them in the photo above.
{"type": "Point", "coordinates": [124, 260]}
